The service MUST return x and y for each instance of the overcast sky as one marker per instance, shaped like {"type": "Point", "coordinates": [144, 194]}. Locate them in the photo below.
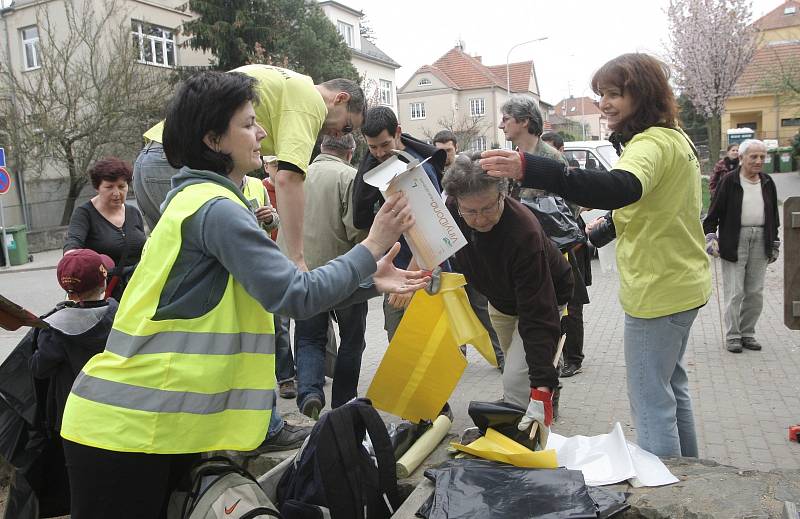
{"type": "Point", "coordinates": [582, 34]}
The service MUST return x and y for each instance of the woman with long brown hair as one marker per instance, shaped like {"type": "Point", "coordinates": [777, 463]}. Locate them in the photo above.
{"type": "Point", "coordinates": [655, 193]}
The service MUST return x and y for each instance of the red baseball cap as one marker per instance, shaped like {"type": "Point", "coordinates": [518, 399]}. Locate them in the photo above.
{"type": "Point", "coordinates": [83, 269]}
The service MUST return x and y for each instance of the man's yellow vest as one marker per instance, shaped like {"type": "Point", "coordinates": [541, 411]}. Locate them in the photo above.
{"type": "Point", "coordinates": [179, 385]}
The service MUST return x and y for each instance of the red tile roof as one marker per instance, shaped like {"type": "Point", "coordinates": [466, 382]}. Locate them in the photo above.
{"type": "Point", "coordinates": [460, 71]}
{"type": "Point", "coordinates": [767, 66]}
{"type": "Point", "coordinates": [776, 19]}
{"type": "Point", "coordinates": [587, 106]}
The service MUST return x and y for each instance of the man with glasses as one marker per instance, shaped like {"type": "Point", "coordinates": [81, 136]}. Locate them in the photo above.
{"type": "Point", "coordinates": [511, 261]}
{"type": "Point", "coordinates": [293, 111]}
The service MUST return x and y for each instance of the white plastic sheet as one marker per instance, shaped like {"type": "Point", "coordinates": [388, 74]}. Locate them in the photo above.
{"type": "Point", "coordinates": [609, 458]}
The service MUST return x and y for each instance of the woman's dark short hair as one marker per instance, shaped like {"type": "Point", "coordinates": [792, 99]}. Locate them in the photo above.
{"type": "Point", "coordinates": [204, 103]}
{"type": "Point", "coordinates": [111, 169]}
{"type": "Point", "coordinates": [466, 177]}
{"type": "Point", "coordinates": [646, 80]}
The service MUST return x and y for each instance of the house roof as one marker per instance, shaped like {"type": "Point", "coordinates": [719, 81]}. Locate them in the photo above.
{"type": "Point", "coordinates": [460, 71]}
{"type": "Point", "coordinates": [520, 75]}
{"type": "Point", "coordinates": [769, 63]}
{"type": "Point", "coordinates": [582, 106]}
{"type": "Point", "coordinates": [776, 19]}
{"type": "Point", "coordinates": [370, 51]}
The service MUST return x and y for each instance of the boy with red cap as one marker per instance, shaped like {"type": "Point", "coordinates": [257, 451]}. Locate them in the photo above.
{"type": "Point", "coordinates": [79, 327]}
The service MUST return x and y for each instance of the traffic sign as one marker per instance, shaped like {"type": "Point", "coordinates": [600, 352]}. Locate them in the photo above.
{"type": "Point", "coordinates": [2, 157]}
{"type": "Point", "coordinates": [5, 181]}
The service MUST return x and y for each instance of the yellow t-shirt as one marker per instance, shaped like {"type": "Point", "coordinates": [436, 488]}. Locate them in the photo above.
{"type": "Point", "coordinates": [290, 109]}
{"type": "Point", "coordinates": [661, 254]}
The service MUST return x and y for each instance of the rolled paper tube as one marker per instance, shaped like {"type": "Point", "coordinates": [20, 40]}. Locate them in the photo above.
{"type": "Point", "coordinates": [422, 448]}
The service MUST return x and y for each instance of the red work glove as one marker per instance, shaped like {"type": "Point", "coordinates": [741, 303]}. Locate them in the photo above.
{"type": "Point", "coordinates": [540, 411]}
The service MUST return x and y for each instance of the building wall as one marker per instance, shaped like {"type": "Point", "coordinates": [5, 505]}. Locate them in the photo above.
{"type": "Point", "coordinates": [336, 15]}
{"type": "Point", "coordinates": [767, 111]}
{"type": "Point", "coordinates": [372, 73]}
{"type": "Point", "coordinates": [46, 189]}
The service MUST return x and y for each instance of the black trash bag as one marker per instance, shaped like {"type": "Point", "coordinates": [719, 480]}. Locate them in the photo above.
{"type": "Point", "coordinates": [403, 435]}
{"type": "Point", "coordinates": [609, 503]}
{"type": "Point", "coordinates": [556, 219]}
{"type": "Point", "coordinates": [481, 489]}
{"type": "Point", "coordinates": [503, 418]}
{"type": "Point", "coordinates": [39, 484]}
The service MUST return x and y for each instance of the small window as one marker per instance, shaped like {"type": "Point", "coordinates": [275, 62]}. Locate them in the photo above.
{"type": "Point", "coordinates": [571, 108]}
{"type": "Point", "coordinates": [346, 30]}
{"type": "Point", "coordinates": [477, 107]}
{"type": "Point", "coordinates": [30, 47]}
{"type": "Point", "coordinates": [424, 82]}
{"type": "Point", "coordinates": [417, 110]}
{"type": "Point", "coordinates": [478, 144]}
{"type": "Point", "coordinates": [794, 121]}
{"type": "Point", "coordinates": [385, 92]}
{"type": "Point", "coordinates": [156, 44]}
{"type": "Point", "coordinates": [790, 9]}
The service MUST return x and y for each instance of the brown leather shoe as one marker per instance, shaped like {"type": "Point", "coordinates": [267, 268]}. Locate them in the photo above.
{"type": "Point", "coordinates": [287, 389]}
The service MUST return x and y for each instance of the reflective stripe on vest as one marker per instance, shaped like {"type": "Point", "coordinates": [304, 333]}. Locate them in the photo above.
{"type": "Point", "coordinates": [177, 385]}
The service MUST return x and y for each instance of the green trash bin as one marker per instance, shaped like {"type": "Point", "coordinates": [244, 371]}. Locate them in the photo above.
{"type": "Point", "coordinates": [17, 244]}
{"type": "Point", "coordinates": [785, 160]}
{"type": "Point", "coordinates": [769, 161]}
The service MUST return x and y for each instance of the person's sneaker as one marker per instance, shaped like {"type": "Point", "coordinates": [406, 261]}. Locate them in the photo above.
{"type": "Point", "coordinates": [734, 345]}
{"type": "Point", "coordinates": [287, 389]}
{"type": "Point", "coordinates": [570, 370]}
{"type": "Point", "coordinates": [290, 437]}
{"type": "Point", "coordinates": [311, 407]}
{"type": "Point", "coordinates": [750, 343]}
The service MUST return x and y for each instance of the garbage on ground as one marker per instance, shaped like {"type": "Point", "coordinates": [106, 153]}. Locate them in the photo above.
{"type": "Point", "coordinates": [609, 458]}
{"type": "Point", "coordinates": [503, 418]}
{"type": "Point", "coordinates": [497, 447]}
{"type": "Point", "coordinates": [423, 447]}
{"type": "Point", "coordinates": [423, 363]}
{"type": "Point", "coordinates": [472, 489]}
{"type": "Point", "coordinates": [404, 434]}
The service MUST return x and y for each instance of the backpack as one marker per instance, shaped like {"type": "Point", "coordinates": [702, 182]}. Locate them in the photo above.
{"type": "Point", "coordinates": [333, 475]}
{"type": "Point", "coordinates": [221, 489]}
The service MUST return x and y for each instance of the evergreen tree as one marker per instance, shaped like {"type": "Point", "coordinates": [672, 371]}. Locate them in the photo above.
{"type": "Point", "coordinates": [288, 33]}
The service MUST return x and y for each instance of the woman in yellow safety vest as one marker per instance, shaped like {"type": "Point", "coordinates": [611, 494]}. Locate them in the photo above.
{"type": "Point", "coordinates": [189, 364]}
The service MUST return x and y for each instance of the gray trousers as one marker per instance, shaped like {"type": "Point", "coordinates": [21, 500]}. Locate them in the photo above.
{"type": "Point", "coordinates": [743, 284]}
{"type": "Point", "coordinates": [151, 181]}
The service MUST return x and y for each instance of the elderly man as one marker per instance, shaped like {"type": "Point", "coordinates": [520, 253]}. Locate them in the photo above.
{"type": "Point", "coordinates": [328, 232]}
{"type": "Point", "coordinates": [293, 111]}
{"type": "Point", "coordinates": [521, 272]}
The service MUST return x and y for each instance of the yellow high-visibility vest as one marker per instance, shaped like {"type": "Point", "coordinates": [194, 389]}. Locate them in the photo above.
{"type": "Point", "coordinates": [254, 189]}
{"type": "Point", "coordinates": [177, 385]}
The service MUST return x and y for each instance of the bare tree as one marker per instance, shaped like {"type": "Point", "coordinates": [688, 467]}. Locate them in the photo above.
{"type": "Point", "coordinates": [466, 128]}
{"type": "Point", "coordinates": [90, 97]}
{"type": "Point", "coordinates": [712, 41]}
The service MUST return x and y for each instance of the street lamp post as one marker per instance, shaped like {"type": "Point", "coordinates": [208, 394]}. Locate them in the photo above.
{"type": "Point", "coordinates": [508, 76]}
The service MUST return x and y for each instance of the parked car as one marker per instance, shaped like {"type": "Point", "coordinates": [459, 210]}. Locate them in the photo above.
{"type": "Point", "coordinates": [599, 155]}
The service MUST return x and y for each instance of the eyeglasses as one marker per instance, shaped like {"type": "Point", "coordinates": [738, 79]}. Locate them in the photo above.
{"type": "Point", "coordinates": [348, 128]}
{"type": "Point", "coordinates": [489, 210]}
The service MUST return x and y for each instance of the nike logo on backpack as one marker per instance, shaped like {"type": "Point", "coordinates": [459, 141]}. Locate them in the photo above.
{"type": "Point", "coordinates": [229, 509]}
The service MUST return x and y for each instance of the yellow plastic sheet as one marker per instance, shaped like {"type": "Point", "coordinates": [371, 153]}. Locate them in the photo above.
{"type": "Point", "coordinates": [498, 447]}
{"type": "Point", "coordinates": [423, 364]}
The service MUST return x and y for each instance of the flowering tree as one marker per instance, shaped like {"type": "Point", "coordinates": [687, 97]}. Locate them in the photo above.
{"type": "Point", "coordinates": [711, 43]}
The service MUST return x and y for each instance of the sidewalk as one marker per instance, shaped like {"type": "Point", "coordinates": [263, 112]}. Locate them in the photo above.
{"type": "Point", "coordinates": [41, 261]}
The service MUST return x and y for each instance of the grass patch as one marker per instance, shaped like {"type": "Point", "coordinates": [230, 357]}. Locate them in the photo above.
{"type": "Point", "coordinates": [706, 193]}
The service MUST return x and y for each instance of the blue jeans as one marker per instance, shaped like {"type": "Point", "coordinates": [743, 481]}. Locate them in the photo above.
{"type": "Point", "coordinates": [284, 360]}
{"type": "Point", "coordinates": [152, 176]}
{"type": "Point", "coordinates": [658, 388]}
{"type": "Point", "coordinates": [275, 423]}
{"type": "Point", "coordinates": [310, 339]}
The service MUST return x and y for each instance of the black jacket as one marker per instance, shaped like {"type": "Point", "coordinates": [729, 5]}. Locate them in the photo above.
{"type": "Point", "coordinates": [366, 198]}
{"type": "Point", "coordinates": [726, 213]}
{"type": "Point", "coordinates": [76, 334]}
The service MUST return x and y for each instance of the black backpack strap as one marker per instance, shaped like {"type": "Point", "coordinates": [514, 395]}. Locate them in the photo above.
{"type": "Point", "coordinates": [341, 421]}
{"type": "Point", "coordinates": [382, 445]}
{"type": "Point", "coordinates": [261, 511]}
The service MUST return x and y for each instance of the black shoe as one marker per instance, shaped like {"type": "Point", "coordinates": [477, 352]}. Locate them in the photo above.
{"type": "Point", "coordinates": [734, 345]}
{"type": "Point", "coordinates": [290, 437]}
{"type": "Point", "coordinates": [750, 343]}
{"type": "Point", "coordinates": [311, 407]}
{"type": "Point", "coordinates": [570, 370]}
{"type": "Point", "coordinates": [287, 389]}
